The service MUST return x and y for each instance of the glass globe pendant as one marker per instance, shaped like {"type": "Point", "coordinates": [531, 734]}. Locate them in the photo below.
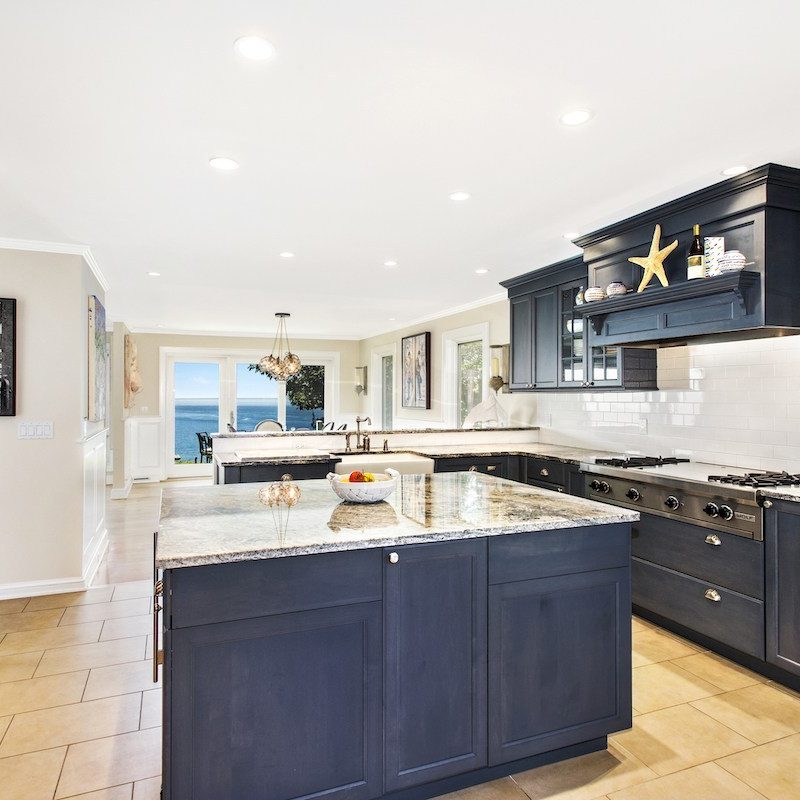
{"type": "Point", "coordinates": [281, 363]}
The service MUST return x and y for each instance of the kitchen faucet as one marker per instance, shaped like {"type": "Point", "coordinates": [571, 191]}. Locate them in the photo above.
{"type": "Point", "coordinates": [362, 444]}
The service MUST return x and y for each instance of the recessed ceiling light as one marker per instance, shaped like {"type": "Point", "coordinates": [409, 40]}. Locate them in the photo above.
{"type": "Point", "coordinates": [154, 274]}
{"type": "Point", "coordinates": [222, 163]}
{"type": "Point", "coordinates": [576, 117]}
{"type": "Point", "coordinates": [481, 271]}
{"type": "Point", "coordinates": [737, 169]}
{"type": "Point", "coordinates": [254, 47]}
{"type": "Point", "coordinates": [287, 254]}
{"type": "Point", "coordinates": [570, 235]}
{"type": "Point", "coordinates": [389, 264]}
{"type": "Point", "coordinates": [459, 197]}
{"type": "Point", "coordinates": [392, 319]}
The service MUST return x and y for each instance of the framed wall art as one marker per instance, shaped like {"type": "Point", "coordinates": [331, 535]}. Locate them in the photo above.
{"type": "Point", "coordinates": [416, 372]}
{"type": "Point", "coordinates": [8, 357]}
{"type": "Point", "coordinates": [98, 372]}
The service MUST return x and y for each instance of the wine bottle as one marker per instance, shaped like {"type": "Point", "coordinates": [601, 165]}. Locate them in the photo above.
{"type": "Point", "coordinates": [696, 259]}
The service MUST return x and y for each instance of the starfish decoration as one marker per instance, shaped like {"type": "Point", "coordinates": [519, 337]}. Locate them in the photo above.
{"type": "Point", "coordinates": [653, 262]}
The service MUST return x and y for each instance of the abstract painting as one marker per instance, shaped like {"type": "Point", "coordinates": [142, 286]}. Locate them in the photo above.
{"type": "Point", "coordinates": [8, 354]}
{"type": "Point", "coordinates": [97, 361]}
{"type": "Point", "coordinates": [416, 375]}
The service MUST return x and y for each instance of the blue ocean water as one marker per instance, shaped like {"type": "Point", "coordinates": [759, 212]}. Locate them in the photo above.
{"type": "Point", "coordinates": [193, 416]}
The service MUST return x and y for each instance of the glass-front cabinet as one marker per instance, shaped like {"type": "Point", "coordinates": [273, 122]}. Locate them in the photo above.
{"type": "Point", "coordinates": [571, 344]}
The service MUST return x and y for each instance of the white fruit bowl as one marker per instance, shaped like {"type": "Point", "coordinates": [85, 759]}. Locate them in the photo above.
{"type": "Point", "coordinates": [367, 492]}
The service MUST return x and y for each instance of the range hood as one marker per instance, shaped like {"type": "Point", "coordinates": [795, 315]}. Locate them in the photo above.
{"type": "Point", "coordinates": [758, 213]}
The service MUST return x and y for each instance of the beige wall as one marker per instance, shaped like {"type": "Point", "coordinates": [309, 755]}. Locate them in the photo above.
{"type": "Point", "coordinates": [118, 411]}
{"type": "Point", "coordinates": [41, 480]}
{"type": "Point", "coordinates": [147, 402]}
{"type": "Point", "coordinates": [520, 407]}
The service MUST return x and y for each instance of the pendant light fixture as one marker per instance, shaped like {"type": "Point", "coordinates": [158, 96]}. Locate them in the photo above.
{"type": "Point", "coordinates": [281, 363]}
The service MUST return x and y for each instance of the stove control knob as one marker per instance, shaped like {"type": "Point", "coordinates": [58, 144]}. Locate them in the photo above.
{"type": "Point", "coordinates": [672, 503]}
{"type": "Point", "coordinates": [633, 494]}
{"type": "Point", "coordinates": [726, 512]}
{"type": "Point", "coordinates": [604, 487]}
{"type": "Point", "coordinates": [712, 509]}
{"type": "Point", "coordinates": [595, 486]}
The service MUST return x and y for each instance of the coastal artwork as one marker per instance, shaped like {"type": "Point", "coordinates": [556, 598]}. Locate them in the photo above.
{"type": "Point", "coordinates": [416, 376]}
{"type": "Point", "coordinates": [98, 373]}
{"type": "Point", "coordinates": [132, 378]}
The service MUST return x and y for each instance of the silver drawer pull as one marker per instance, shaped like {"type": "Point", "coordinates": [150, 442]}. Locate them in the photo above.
{"type": "Point", "coordinates": [713, 594]}
{"type": "Point", "coordinates": [491, 468]}
{"type": "Point", "coordinates": [473, 468]}
{"type": "Point", "coordinates": [544, 471]}
{"type": "Point", "coordinates": [712, 538]}
{"type": "Point", "coordinates": [393, 558]}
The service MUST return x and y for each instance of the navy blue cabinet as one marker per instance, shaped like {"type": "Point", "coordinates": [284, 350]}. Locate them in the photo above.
{"type": "Point", "coordinates": [498, 466]}
{"type": "Point", "coordinates": [534, 327]}
{"type": "Point", "coordinates": [782, 539]}
{"type": "Point", "coordinates": [277, 707]}
{"type": "Point", "coordinates": [435, 672]}
{"type": "Point", "coordinates": [549, 689]}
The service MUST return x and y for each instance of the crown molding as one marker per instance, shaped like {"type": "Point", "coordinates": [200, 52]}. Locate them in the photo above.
{"type": "Point", "coordinates": [447, 312]}
{"type": "Point", "coordinates": [242, 334]}
{"type": "Point", "coordinates": [67, 248]}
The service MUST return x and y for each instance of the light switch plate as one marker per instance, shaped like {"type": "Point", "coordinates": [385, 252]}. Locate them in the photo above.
{"type": "Point", "coordinates": [35, 430]}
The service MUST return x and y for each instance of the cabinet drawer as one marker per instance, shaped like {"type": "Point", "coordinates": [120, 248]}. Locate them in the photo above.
{"type": "Point", "coordinates": [256, 473]}
{"type": "Point", "coordinates": [736, 563]}
{"type": "Point", "coordinates": [546, 471]}
{"type": "Point", "coordinates": [488, 466]}
{"type": "Point", "coordinates": [247, 589]}
{"type": "Point", "coordinates": [735, 619]}
{"type": "Point", "coordinates": [553, 487]}
{"type": "Point", "coordinates": [540, 554]}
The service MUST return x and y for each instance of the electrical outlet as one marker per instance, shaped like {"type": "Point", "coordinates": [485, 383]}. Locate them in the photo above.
{"type": "Point", "coordinates": [34, 430]}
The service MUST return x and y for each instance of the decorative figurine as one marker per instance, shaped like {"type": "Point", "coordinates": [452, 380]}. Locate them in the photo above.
{"type": "Point", "coordinates": [653, 262]}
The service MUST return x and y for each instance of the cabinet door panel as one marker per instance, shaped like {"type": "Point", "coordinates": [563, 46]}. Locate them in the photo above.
{"type": "Point", "coordinates": [521, 342]}
{"type": "Point", "coordinates": [279, 707]}
{"type": "Point", "coordinates": [782, 539]}
{"type": "Point", "coordinates": [559, 662]}
{"type": "Point", "coordinates": [435, 672]}
{"type": "Point", "coordinates": [545, 333]}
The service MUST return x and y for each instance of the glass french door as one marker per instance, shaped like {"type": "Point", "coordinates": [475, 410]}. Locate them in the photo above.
{"type": "Point", "coordinates": [259, 397]}
{"type": "Point", "coordinates": [195, 410]}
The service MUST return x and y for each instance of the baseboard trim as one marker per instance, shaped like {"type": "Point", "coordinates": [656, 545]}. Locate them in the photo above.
{"type": "Point", "coordinates": [10, 591]}
{"type": "Point", "coordinates": [123, 492]}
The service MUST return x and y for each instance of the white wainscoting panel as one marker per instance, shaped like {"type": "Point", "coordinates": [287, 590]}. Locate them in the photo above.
{"type": "Point", "coordinates": [144, 444]}
{"type": "Point", "coordinates": [95, 534]}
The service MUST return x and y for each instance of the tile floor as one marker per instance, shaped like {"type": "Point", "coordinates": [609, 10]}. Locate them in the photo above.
{"type": "Point", "coordinates": [80, 717]}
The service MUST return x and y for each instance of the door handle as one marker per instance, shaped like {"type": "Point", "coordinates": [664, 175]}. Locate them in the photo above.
{"type": "Point", "coordinates": [713, 595]}
{"type": "Point", "coordinates": [158, 655]}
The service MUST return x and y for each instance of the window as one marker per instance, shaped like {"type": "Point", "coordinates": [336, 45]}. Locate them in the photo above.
{"type": "Point", "coordinates": [387, 392]}
{"type": "Point", "coordinates": [470, 374]}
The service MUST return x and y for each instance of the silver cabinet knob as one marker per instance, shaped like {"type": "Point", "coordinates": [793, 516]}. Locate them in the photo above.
{"type": "Point", "coordinates": [393, 558]}
{"type": "Point", "coordinates": [713, 539]}
{"type": "Point", "coordinates": [713, 595]}
{"type": "Point", "coordinates": [544, 471]}
{"type": "Point", "coordinates": [473, 468]}
{"type": "Point", "coordinates": [767, 504]}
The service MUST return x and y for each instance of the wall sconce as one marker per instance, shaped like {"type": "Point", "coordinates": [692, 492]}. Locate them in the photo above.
{"type": "Point", "coordinates": [499, 361]}
{"type": "Point", "coordinates": [361, 380]}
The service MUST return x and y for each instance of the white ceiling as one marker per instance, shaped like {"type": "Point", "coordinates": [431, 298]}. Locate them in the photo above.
{"type": "Point", "coordinates": [352, 137]}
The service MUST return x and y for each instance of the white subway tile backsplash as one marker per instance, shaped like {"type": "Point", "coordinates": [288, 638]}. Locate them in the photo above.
{"type": "Point", "coordinates": [733, 403]}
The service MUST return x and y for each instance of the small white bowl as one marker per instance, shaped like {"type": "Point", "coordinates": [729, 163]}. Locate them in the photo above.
{"type": "Point", "coordinates": [594, 293]}
{"type": "Point", "coordinates": [617, 288]}
{"type": "Point", "coordinates": [367, 492]}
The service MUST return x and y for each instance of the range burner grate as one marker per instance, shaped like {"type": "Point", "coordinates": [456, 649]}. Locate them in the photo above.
{"type": "Point", "coordinates": [640, 461]}
{"type": "Point", "coordinates": [757, 480]}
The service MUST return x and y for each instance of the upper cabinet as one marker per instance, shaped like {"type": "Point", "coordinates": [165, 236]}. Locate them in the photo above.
{"type": "Point", "coordinates": [552, 346]}
{"type": "Point", "coordinates": [757, 213]}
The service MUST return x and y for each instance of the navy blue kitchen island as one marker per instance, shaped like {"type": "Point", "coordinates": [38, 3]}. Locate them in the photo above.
{"type": "Point", "coordinates": [466, 629]}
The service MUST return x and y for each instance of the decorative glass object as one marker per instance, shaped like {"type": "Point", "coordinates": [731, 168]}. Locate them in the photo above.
{"type": "Point", "coordinates": [281, 363]}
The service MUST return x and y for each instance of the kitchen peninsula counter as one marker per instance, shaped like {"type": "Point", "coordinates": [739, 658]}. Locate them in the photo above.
{"type": "Point", "coordinates": [467, 628]}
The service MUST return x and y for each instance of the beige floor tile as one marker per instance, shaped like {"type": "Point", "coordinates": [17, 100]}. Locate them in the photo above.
{"type": "Point", "coordinates": [147, 790]}
{"type": "Point", "coordinates": [30, 620]}
{"type": "Point", "coordinates": [4, 723]}
{"type": "Point", "coordinates": [101, 611]}
{"type": "Point", "coordinates": [14, 605]}
{"type": "Point", "coordinates": [585, 777]}
{"type": "Point", "coordinates": [131, 589]}
{"type": "Point", "coordinates": [771, 769]}
{"type": "Point", "coordinates": [97, 594]}
{"type": "Point", "coordinates": [18, 697]}
{"type": "Point", "coordinates": [639, 624]}
{"type": "Point", "coordinates": [151, 709]}
{"type": "Point", "coordinates": [129, 626]}
{"type": "Point", "coordinates": [136, 676]}
{"type": "Point", "coordinates": [89, 656]}
{"type": "Point", "coordinates": [665, 684]}
{"type": "Point", "coordinates": [114, 793]}
{"type": "Point", "coordinates": [705, 782]}
{"type": "Point", "coordinates": [126, 758]}
{"type": "Point", "coordinates": [18, 666]}
{"type": "Point", "coordinates": [80, 722]}
{"type": "Point", "coordinates": [677, 738]}
{"type": "Point", "coordinates": [32, 776]}
{"type": "Point", "coordinates": [759, 712]}
{"type": "Point", "coordinates": [28, 641]}
{"type": "Point", "coordinates": [502, 789]}
{"type": "Point", "coordinates": [719, 671]}
{"type": "Point", "coordinates": [651, 646]}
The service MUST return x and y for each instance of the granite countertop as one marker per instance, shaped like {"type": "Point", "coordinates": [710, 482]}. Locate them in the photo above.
{"type": "Point", "coordinates": [791, 494]}
{"type": "Point", "coordinates": [219, 524]}
{"type": "Point", "coordinates": [370, 431]}
{"type": "Point", "coordinates": [567, 455]}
